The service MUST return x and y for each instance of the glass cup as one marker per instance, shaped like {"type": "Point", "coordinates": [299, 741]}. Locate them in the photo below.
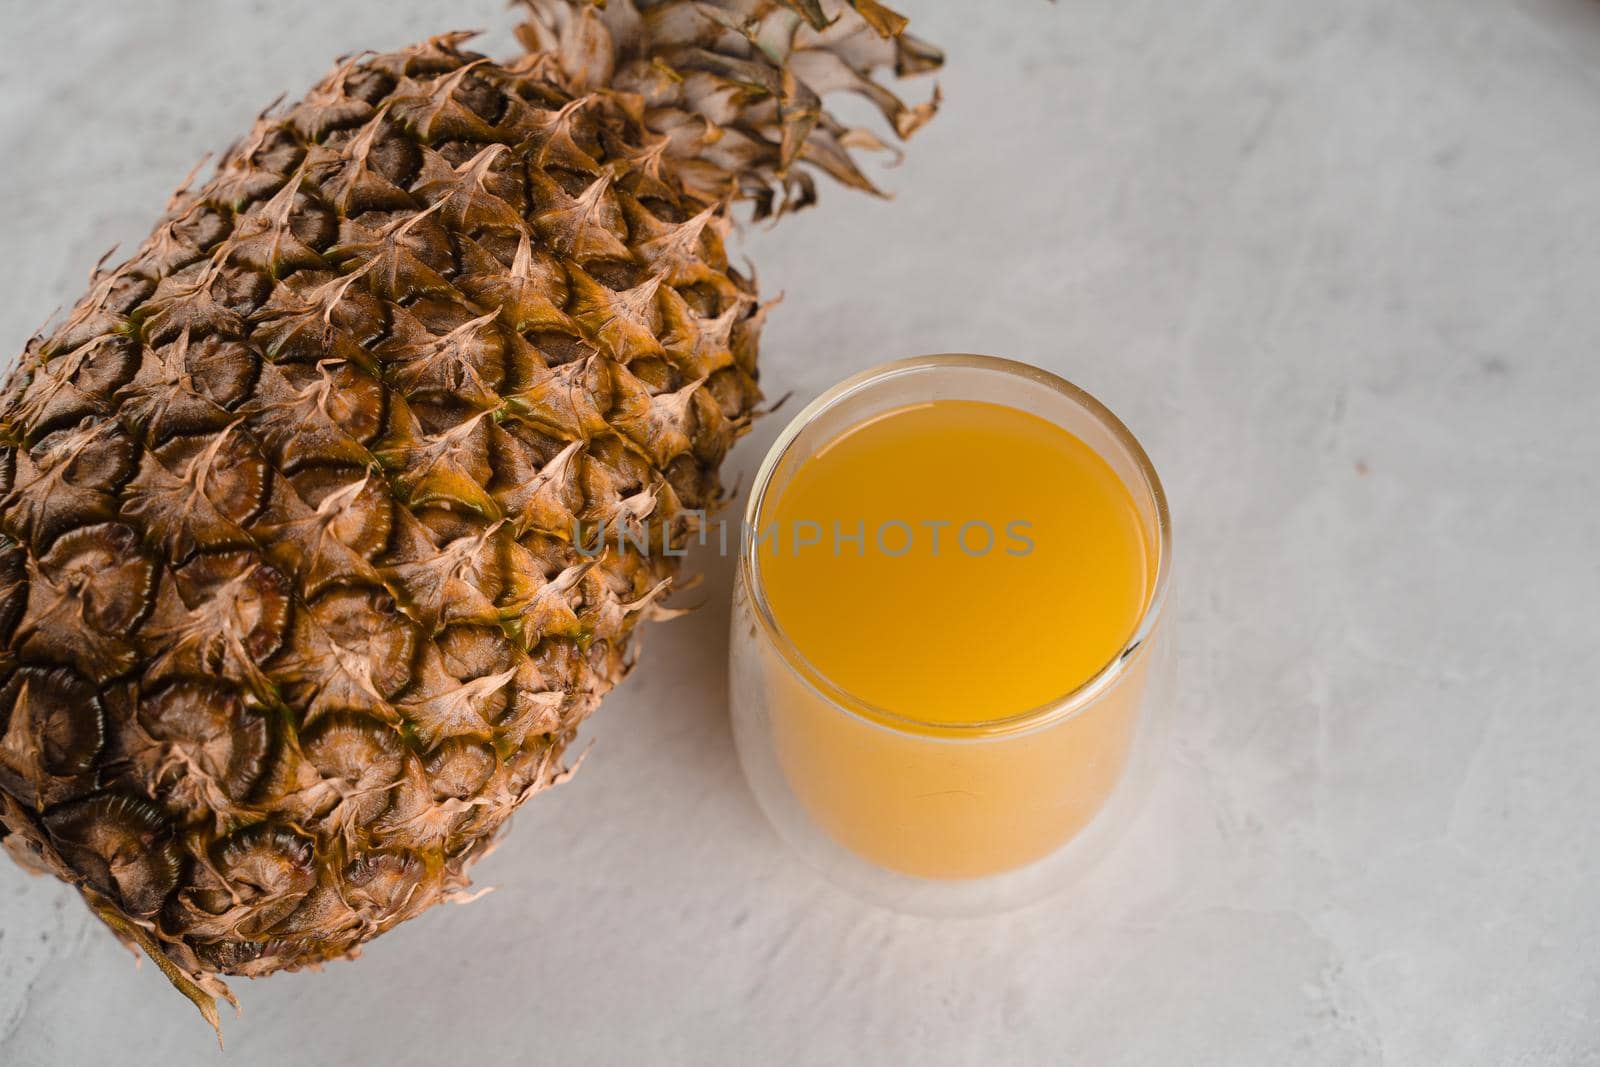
{"type": "Point", "coordinates": [947, 818]}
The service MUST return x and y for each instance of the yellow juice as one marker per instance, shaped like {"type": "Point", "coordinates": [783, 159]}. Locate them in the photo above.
{"type": "Point", "coordinates": [949, 566]}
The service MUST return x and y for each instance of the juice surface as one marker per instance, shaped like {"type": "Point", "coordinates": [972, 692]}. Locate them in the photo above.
{"type": "Point", "coordinates": [947, 624]}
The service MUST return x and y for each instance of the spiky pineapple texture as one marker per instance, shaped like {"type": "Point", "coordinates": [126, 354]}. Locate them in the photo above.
{"type": "Point", "coordinates": [291, 619]}
{"type": "Point", "coordinates": [735, 86]}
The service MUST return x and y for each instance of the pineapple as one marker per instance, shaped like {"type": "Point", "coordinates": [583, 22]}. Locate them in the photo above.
{"type": "Point", "coordinates": [292, 617]}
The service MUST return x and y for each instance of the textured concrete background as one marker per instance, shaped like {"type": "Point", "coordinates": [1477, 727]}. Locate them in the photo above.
{"type": "Point", "coordinates": [1336, 263]}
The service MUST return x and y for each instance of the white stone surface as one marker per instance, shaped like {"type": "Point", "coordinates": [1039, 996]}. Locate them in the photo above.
{"type": "Point", "coordinates": [1336, 263]}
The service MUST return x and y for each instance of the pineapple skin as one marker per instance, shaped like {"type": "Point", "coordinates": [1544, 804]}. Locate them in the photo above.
{"type": "Point", "coordinates": [291, 616]}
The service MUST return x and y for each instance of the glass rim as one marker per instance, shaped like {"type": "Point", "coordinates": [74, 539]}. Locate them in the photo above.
{"type": "Point", "coordinates": [1057, 708]}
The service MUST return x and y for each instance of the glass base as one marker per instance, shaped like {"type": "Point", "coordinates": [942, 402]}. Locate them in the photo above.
{"type": "Point", "coordinates": [943, 898]}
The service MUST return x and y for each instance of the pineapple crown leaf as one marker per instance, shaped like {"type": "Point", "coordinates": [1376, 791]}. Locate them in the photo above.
{"type": "Point", "coordinates": [886, 22]}
{"type": "Point", "coordinates": [758, 69]}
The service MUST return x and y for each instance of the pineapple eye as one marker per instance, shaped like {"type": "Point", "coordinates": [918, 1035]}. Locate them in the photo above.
{"type": "Point", "coordinates": [64, 712]}
{"type": "Point", "coordinates": [458, 769]}
{"type": "Point", "coordinates": [117, 843]}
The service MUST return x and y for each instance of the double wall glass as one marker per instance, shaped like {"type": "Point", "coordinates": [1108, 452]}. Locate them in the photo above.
{"type": "Point", "coordinates": [947, 817]}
